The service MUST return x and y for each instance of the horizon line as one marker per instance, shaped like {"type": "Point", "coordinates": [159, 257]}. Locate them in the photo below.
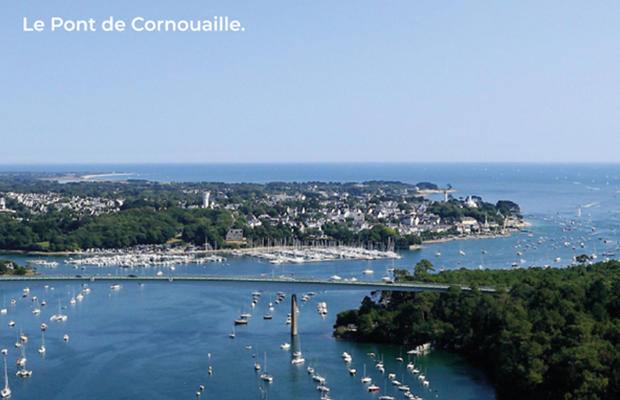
{"type": "Point", "coordinates": [311, 163]}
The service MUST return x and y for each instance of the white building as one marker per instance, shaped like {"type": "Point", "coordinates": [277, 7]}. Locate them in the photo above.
{"type": "Point", "coordinates": [205, 199]}
{"type": "Point", "coordinates": [469, 202]}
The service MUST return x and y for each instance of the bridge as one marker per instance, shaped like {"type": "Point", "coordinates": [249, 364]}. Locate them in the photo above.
{"type": "Point", "coordinates": [325, 283]}
{"type": "Point", "coordinates": [322, 284]}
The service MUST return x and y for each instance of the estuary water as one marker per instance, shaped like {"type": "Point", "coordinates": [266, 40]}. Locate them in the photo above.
{"type": "Point", "coordinates": [157, 340]}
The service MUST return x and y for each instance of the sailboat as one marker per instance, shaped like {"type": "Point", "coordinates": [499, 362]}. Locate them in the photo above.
{"type": "Point", "coordinates": [232, 335]}
{"type": "Point", "coordinates": [266, 376]}
{"type": "Point", "coordinates": [58, 317]}
{"type": "Point", "coordinates": [42, 348]}
{"type": "Point", "coordinates": [18, 342]}
{"type": "Point", "coordinates": [73, 301]}
{"type": "Point", "coordinates": [256, 364]}
{"type": "Point", "coordinates": [366, 378]}
{"type": "Point", "coordinates": [385, 396]}
{"type": "Point", "coordinates": [4, 310]}
{"type": "Point", "coordinates": [243, 319]}
{"type": "Point", "coordinates": [297, 358]}
{"type": "Point", "coordinates": [22, 362]}
{"type": "Point", "coordinates": [6, 392]}
{"type": "Point", "coordinates": [36, 309]}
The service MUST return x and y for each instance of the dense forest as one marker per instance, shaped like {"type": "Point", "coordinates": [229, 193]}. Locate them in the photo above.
{"type": "Point", "coordinates": [547, 334]}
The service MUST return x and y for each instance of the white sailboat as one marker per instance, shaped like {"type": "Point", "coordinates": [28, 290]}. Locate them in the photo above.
{"type": "Point", "coordinates": [232, 335]}
{"type": "Point", "coordinates": [365, 378]}
{"type": "Point", "coordinates": [297, 355]}
{"type": "Point", "coordinates": [73, 301]}
{"type": "Point", "coordinates": [23, 373]}
{"type": "Point", "coordinates": [42, 348]}
{"type": "Point", "coordinates": [21, 362]}
{"type": "Point", "coordinates": [36, 310]}
{"type": "Point", "coordinates": [256, 363]}
{"type": "Point", "coordinates": [6, 392]}
{"type": "Point", "coordinates": [58, 317]}
{"type": "Point", "coordinates": [266, 376]}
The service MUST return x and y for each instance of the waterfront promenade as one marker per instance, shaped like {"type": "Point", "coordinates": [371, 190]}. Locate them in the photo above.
{"type": "Point", "coordinates": [307, 282]}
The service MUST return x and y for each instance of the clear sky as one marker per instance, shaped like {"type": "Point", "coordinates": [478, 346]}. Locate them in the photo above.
{"type": "Point", "coordinates": [313, 81]}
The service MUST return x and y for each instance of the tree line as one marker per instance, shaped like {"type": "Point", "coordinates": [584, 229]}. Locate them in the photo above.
{"type": "Point", "coordinates": [547, 333]}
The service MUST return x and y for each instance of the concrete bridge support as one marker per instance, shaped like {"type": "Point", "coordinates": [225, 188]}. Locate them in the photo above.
{"type": "Point", "coordinates": [293, 315]}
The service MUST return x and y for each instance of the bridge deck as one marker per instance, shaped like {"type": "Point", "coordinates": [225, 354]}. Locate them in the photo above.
{"type": "Point", "coordinates": [357, 285]}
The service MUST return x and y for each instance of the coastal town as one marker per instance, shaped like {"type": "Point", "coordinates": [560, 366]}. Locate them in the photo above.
{"type": "Point", "coordinates": [376, 214]}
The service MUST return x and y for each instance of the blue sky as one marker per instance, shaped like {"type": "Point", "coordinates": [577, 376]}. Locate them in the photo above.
{"type": "Point", "coordinates": [313, 81]}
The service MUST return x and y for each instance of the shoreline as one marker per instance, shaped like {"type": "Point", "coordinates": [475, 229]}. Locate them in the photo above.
{"type": "Point", "coordinates": [451, 239]}
{"type": "Point", "coordinates": [98, 177]}
{"type": "Point", "coordinates": [90, 177]}
{"type": "Point", "coordinates": [242, 250]}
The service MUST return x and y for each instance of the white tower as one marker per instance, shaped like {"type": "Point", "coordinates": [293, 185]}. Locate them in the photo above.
{"type": "Point", "coordinates": [205, 199]}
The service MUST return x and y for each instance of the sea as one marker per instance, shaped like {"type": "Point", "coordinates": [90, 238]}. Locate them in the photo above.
{"type": "Point", "coordinates": [164, 340]}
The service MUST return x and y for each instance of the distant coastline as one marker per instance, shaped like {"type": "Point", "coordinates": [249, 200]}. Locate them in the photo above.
{"type": "Point", "coordinates": [107, 177]}
{"type": "Point", "coordinates": [101, 177]}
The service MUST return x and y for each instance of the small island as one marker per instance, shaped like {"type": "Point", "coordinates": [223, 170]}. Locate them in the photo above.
{"type": "Point", "coordinates": [11, 268]}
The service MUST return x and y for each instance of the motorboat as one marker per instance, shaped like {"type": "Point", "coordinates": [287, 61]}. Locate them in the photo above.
{"type": "Point", "coordinates": [373, 388]}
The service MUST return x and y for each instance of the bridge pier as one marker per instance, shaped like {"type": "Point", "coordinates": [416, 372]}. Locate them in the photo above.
{"type": "Point", "coordinates": [293, 315]}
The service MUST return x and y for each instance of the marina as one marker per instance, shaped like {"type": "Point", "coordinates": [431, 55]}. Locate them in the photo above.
{"type": "Point", "coordinates": [319, 254]}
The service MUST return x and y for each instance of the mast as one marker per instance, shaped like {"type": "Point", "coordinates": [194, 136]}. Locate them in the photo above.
{"type": "Point", "coordinates": [6, 377]}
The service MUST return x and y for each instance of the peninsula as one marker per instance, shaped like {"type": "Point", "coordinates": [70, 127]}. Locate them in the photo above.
{"type": "Point", "coordinates": [42, 213]}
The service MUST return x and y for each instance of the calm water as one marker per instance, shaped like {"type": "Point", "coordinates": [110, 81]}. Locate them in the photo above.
{"type": "Point", "coordinates": [156, 341]}
{"type": "Point", "coordinates": [153, 341]}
